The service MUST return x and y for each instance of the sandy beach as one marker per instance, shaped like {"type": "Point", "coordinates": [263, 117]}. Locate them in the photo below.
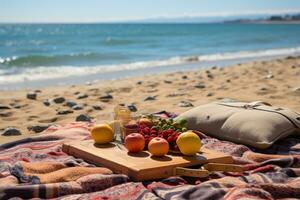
{"type": "Point", "coordinates": [70, 69]}
{"type": "Point", "coordinates": [276, 81]}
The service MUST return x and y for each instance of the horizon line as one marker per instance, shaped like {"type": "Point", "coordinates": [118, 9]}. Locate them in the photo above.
{"type": "Point", "coordinates": [220, 15]}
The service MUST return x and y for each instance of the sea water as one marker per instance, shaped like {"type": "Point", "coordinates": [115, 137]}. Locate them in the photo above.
{"type": "Point", "coordinates": [37, 52]}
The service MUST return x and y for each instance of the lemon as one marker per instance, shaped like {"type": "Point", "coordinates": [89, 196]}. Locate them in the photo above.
{"type": "Point", "coordinates": [102, 133]}
{"type": "Point", "coordinates": [188, 143]}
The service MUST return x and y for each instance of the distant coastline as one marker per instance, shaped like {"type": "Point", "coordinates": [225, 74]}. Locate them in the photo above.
{"type": "Point", "coordinates": [291, 18]}
{"type": "Point", "coordinates": [274, 19]}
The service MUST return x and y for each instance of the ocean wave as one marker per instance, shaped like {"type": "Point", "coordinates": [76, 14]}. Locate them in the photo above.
{"type": "Point", "coordinates": [57, 60]}
{"type": "Point", "coordinates": [15, 75]}
{"type": "Point", "coordinates": [250, 54]}
{"type": "Point", "coordinates": [7, 60]}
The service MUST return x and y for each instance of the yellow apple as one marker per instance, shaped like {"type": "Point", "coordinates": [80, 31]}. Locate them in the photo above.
{"type": "Point", "coordinates": [188, 143]}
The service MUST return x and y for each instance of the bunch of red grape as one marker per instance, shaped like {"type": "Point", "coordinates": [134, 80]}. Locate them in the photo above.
{"type": "Point", "coordinates": [151, 132]}
{"type": "Point", "coordinates": [166, 129]}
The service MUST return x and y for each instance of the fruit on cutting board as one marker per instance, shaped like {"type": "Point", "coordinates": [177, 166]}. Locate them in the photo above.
{"type": "Point", "coordinates": [102, 133]}
{"type": "Point", "coordinates": [158, 146]}
{"type": "Point", "coordinates": [169, 129]}
{"type": "Point", "coordinates": [134, 142]}
{"type": "Point", "coordinates": [145, 122]}
{"type": "Point", "coordinates": [188, 143]}
{"type": "Point", "coordinates": [130, 127]}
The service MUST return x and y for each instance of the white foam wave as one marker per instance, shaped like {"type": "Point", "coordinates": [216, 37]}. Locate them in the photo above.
{"type": "Point", "coordinates": [250, 54]}
{"type": "Point", "coordinates": [8, 59]}
{"type": "Point", "coordinates": [40, 73]}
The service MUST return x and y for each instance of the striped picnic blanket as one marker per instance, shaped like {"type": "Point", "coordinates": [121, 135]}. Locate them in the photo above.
{"type": "Point", "coordinates": [37, 168]}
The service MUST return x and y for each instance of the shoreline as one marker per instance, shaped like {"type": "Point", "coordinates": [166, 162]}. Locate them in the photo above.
{"type": "Point", "coordinates": [193, 63]}
{"type": "Point", "coordinates": [275, 81]}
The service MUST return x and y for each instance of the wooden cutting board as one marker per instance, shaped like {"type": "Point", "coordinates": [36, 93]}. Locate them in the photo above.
{"type": "Point", "coordinates": [139, 166]}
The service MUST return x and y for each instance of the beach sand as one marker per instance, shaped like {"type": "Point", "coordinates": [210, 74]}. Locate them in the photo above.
{"type": "Point", "coordinates": [276, 81]}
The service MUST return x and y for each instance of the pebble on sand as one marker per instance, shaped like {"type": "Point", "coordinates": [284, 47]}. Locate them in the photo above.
{"type": "Point", "coordinates": [82, 96]}
{"type": "Point", "coordinates": [4, 107]}
{"type": "Point", "coordinates": [153, 84]}
{"type": "Point", "coordinates": [59, 100]}
{"type": "Point", "coordinates": [150, 98]}
{"type": "Point", "coordinates": [77, 107]}
{"type": "Point", "coordinates": [176, 94]}
{"type": "Point", "coordinates": [185, 104]}
{"type": "Point", "coordinates": [184, 77]}
{"type": "Point", "coordinates": [106, 98]}
{"type": "Point", "coordinates": [19, 106]}
{"type": "Point", "coordinates": [64, 112]}
{"type": "Point", "coordinates": [70, 104]}
{"type": "Point", "coordinates": [210, 76]}
{"type": "Point", "coordinates": [200, 85]}
{"type": "Point", "coordinates": [152, 90]}
{"type": "Point", "coordinates": [269, 76]}
{"type": "Point", "coordinates": [31, 95]}
{"type": "Point", "coordinates": [95, 107]}
{"type": "Point", "coordinates": [11, 132]}
{"type": "Point", "coordinates": [263, 89]}
{"type": "Point", "coordinates": [38, 128]}
{"type": "Point", "coordinates": [6, 114]}
{"type": "Point", "coordinates": [132, 108]}
{"type": "Point", "coordinates": [46, 102]}
{"type": "Point", "coordinates": [296, 89]}
{"type": "Point", "coordinates": [291, 57]}
{"type": "Point", "coordinates": [83, 118]}
{"type": "Point", "coordinates": [210, 94]}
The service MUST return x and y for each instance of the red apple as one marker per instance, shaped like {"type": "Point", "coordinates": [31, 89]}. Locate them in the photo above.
{"type": "Point", "coordinates": [134, 142]}
{"type": "Point", "coordinates": [158, 146]}
{"type": "Point", "coordinates": [145, 122]}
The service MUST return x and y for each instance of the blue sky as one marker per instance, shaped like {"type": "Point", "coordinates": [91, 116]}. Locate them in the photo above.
{"type": "Point", "coordinates": [122, 10]}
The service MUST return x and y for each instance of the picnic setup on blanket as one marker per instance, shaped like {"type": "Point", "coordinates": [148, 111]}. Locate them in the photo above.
{"type": "Point", "coordinates": [221, 150]}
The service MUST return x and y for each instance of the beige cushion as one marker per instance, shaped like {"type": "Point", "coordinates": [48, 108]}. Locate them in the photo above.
{"type": "Point", "coordinates": [253, 124]}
